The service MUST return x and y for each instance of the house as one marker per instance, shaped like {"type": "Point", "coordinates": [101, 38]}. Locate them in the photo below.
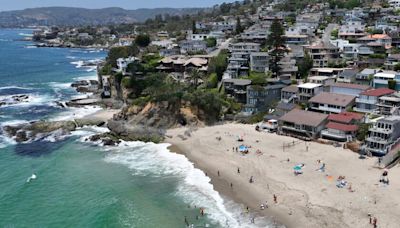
{"type": "Point", "coordinates": [296, 39]}
{"type": "Point", "coordinates": [388, 104]}
{"type": "Point", "coordinates": [254, 35]}
{"type": "Point", "coordinates": [365, 76]}
{"type": "Point", "coordinates": [122, 64]}
{"type": "Point", "coordinates": [394, 3]}
{"type": "Point", "coordinates": [391, 61]}
{"type": "Point", "coordinates": [260, 98]}
{"type": "Point", "coordinates": [302, 123]}
{"type": "Point", "coordinates": [352, 30]}
{"type": "Point", "coordinates": [323, 54]}
{"type": "Point", "coordinates": [323, 80]}
{"type": "Point", "coordinates": [308, 90]}
{"type": "Point", "coordinates": [326, 71]}
{"type": "Point", "coordinates": [245, 47]}
{"type": "Point", "coordinates": [382, 135]}
{"type": "Point", "coordinates": [376, 39]}
{"type": "Point", "coordinates": [289, 94]}
{"type": "Point", "coordinates": [197, 36]}
{"type": "Point", "coordinates": [343, 126]}
{"type": "Point", "coordinates": [259, 61]}
{"type": "Point", "coordinates": [348, 88]}
{"type": "Point", "coordinates": [381, 79]}
{"type": "Point", "coordinates": [162, 35]}
{"type": "Point", "coordinates": [348, 50]}
{"type": "Point", "coordinates": [331, 102]}
{"type": "Point", "coordinates": [237, 88]}
{"type": "Point", "coordinates": [368, 100]}
{"type": "Point", "coordinates": [347, 76]}
{"type": "Point", "coordinates": [192, 46]}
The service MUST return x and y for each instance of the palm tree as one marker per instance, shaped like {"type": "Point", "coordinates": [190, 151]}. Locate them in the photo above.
{"type": "Point", "coordinates": [195, 76]}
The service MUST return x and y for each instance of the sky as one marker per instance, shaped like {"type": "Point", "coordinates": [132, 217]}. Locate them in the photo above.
{"type": "Point", "coordinates": [126, 4]}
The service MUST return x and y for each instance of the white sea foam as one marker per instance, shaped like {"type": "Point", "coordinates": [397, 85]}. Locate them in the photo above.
{"type": "Point", "coordinates": [33, 99]}
{"type": "Point", "coordinates": [194, 187]}
{"type": "Point", "coordinates": [15, 87]}
{"type": "Point", "coordinates": [71, 57]}
{"type": "Point", "coordinates": [6, 141]}
{"type": "Point", "coordinates": [13, 122]}
{"type": "Point", "coordinates": [78, 64]}
{"type": "Point", "coordinates": [74, 113]}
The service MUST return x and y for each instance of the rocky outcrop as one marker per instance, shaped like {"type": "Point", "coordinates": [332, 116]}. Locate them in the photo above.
{"type": "Point", "coordinates": [15, 99]}
{"type": "Point", "coordinates": [139, 132]}
{"type": "Point", "coordinates": [41, 129]}
{"type": "Point", "coordinates": [38, 130]}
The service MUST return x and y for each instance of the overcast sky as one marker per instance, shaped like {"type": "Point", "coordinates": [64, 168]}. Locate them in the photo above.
{"type": "Point", "coordinates": [126, 4]}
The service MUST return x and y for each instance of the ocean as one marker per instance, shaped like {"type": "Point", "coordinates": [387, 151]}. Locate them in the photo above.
{"type": "Point", "coordinates": [82, 184]}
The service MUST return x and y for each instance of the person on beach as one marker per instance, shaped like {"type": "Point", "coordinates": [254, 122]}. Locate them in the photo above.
{"type": "Point", "coordinates": [375, 222]}
{"type": "Point", "coordinates": [186, 221]}
{"type": "Point", "coordinates": [231, 185]}
{"type": "Point", "coordinates": [238, 170]}
{"type": "Point", "coordinates": [202, 211]}
{"type": "Point", "coordinates": [262, 207]}
{"type": "Point", "coordinates": [370, 218]}
{"type": "Point", "coordinates": [266, 204]}
{"type": "Point", "coordinates": [251, 180]}
{"type": "Point", "coordinates": [218, 172]}
{"type": "Point", "coordinates": [275, 199]}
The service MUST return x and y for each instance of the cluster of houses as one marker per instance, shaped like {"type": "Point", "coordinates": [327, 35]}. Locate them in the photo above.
{"type": "Point", "coordinates": [353, 81]}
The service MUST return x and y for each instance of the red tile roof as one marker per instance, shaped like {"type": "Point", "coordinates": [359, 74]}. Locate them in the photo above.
{"type": "Point", "coordinates": [345, 117]}
{"type": "Point", "coordinates": [378, 92]}
{"type": "Point", "coordinates": [341, 127]}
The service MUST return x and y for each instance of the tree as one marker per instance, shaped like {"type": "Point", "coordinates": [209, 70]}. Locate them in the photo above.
{"type": "Point", "coordinates": [397, 67]}
{"type": "Point", "coordinates": [142, 40]}
{"type": "Point", "coordinates": [392, 84]}
{"type": "Point", "coordinates": [239, 28]}
{"type": "Point", "coordinates": [218, 64]}
{"type": "Point", "coordinates": [305, 65]}
{"type": "Point", "coordinates": [211, 42]}
{"type": "Point", "coordinates": [276, 43]}
{"type": "Point", "coordinates": [195, 76]}
{"type": "Point", "coordinates": [116, 53]}
{"type": "Point", "coordinates": [194, 28]}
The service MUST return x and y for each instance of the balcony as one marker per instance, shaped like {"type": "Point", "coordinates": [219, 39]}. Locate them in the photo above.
{"type": "Point", "coordinates": [381, 130]}
{"type": "Point", "coordinates": [377, 140]}
{"type": "Point", "coordinates": [364, 110]}
{"type": "Point", "coordinates": [335, 135]}
{"type": "Point", "coordinates": [365, 101]}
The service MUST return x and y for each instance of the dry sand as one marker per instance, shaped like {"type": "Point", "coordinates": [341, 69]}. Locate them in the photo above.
{"type": "Point", "coordinates": [307, 200]}
{"type": "Point", "coordinates": [104, 114]}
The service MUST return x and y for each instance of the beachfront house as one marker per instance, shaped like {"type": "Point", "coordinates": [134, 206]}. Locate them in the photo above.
{"type": "Point", "coordinates": [331, 102]}
{"type": "Point", "coordinates": [382, 135]}
{"type": "Point", "coordinates": [237, 88]}
{"type": "Point", "coordinates": [389, 104]}
{"type": "Point", "coordinates": [301, 123]}
{"type": "Point", "coordinates": [261, 98]}
{"type": "Point", "coordinates": [348, 88]}
{"type": "Point", "coordinates": [308, 90]}
{"type": "Point", "coordinates": [343, 126]}
{"type": "Point", "coordinates": [289, 94]}
{"type": "Point", "coordinates": [367, 102]}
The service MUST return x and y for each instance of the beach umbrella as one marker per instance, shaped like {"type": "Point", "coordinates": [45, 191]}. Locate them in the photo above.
{"type": "Point", "coordinates": [297, 168]}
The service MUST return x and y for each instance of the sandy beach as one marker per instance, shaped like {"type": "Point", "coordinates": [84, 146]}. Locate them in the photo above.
{"type": "Point", "coordinates": [311, 199]}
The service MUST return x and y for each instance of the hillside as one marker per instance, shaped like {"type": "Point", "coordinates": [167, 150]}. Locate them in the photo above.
{"type": "Point", "coordinates": [68, 16]}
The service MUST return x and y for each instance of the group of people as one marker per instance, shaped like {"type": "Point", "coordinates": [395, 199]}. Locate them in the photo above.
{"type": "Point", "coordinates": [373, 221]}
{"type": "Point", "coordinates": [384, 177]}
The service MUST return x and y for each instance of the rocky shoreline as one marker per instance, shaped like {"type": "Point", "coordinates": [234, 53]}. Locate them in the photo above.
{"type": "Point", "coordinates": [118, 127]}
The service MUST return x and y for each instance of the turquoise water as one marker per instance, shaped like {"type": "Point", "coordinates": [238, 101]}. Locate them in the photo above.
{"type": "Point", "coordinates": [81, 184]}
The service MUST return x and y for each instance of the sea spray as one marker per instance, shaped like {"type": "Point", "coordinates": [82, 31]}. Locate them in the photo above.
{"type": "Point", "coordinates": [156, 161]}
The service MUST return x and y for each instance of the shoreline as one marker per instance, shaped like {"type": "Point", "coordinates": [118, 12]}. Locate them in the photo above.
{"type": "Point", "coordinates": [311, 199]}
{"type": "Point", "coordinates": [221, 184]}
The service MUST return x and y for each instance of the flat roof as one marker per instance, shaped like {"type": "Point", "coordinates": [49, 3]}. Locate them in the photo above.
{"type": "Point", "coordinates": [309, 85]}
{"type": "Point", "coordinates": [318, 78]}
{"type": "Point", "coordinates": [385, 75]}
